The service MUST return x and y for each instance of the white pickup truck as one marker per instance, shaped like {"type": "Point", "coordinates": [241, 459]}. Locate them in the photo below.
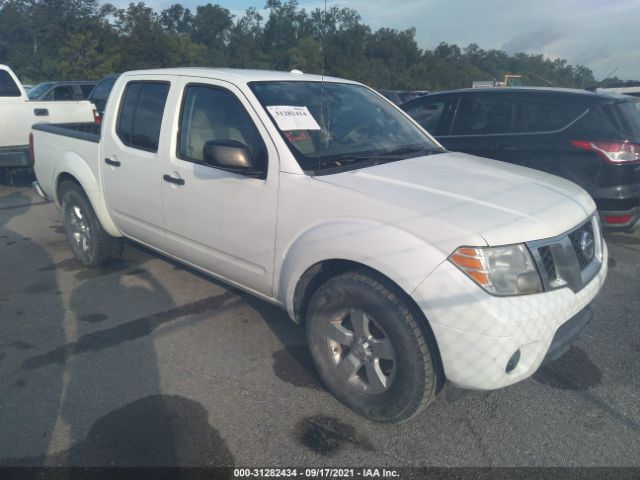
{"type": "Point", "coordinates": [18, 114]}
{"type": "Point", "coordinates": [407, 264]}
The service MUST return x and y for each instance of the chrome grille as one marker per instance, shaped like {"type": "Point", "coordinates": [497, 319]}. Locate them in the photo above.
{"type": "Point", "coordinates": [548, 263]}
{"type": "Point", "coordinates": [571, 259]}
{"type": "Point", "coordinates": [575, 237]}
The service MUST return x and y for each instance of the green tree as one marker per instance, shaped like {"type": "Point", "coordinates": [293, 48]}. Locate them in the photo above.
{"type": "Point", "coordinates": [82, 58]}
{"type": "Point", "coordinates": [65, 39]}
{"type": "Point", "coordinates": [177, 20]}
{"type": "Point", "coordinates": [245, 42]}
{"type": "Point", "coordinates": [306, 56]}
{"type": "Point", "coordinates": [212, 28]}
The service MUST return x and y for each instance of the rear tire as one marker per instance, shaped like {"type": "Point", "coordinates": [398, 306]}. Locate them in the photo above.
{"type": "Point", "coordinates": [90, 244]}
{"type": "Point", "coordinates": [372, 349]}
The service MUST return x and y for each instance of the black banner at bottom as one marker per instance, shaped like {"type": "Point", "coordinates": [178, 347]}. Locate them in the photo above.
{"type": "Point", "coordinates": [161, 473]}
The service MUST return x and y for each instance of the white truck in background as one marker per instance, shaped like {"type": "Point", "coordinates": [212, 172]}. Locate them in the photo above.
{"type": "Point", "coordinates": [408, 265]}
{"type": "Point", "coordinates": [18, 114]}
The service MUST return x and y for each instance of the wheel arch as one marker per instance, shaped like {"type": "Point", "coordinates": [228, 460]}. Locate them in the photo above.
{"type": "Point", "coordinates": [63, 179]}
{"type": "Point", "coordinates": [84, 179]}
{"type": "Point", "coordinates": [399, 256]}
{"type": "Point", "coordinates": [322, 271]}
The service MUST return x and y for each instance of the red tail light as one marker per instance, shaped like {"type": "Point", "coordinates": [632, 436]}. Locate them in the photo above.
{"type": "Point", "coordinates": [32, 152]}
{"type": "Point", "coordinates": [612, 152]}
{"type": "Point", "coordinates": [617, 219]}
{"type": "Point", "coordinates": [96, 117]}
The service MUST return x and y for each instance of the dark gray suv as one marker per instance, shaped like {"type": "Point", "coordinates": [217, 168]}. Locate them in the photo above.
{"type": "Point", "coordinates": [592, 139]}
{"type": "Point", "coordinates": [76, 90]}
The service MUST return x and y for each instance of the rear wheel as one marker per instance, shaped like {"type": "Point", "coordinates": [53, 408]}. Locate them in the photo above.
{"type": "Point", "coordinates": [89, 243]}
{"type": "Point", "coordinates": [371, 348]}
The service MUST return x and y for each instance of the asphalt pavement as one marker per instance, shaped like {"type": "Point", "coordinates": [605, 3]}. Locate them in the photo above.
{"type": "Point", "coordinates": [149, 363]}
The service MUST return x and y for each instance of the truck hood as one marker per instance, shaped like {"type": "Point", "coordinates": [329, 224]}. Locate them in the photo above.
{"type": "Point", "coordinates": [455, 195]}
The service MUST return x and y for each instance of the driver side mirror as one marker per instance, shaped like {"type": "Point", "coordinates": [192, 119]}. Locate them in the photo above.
{"type": "Point", "coordinates": [231, 156]}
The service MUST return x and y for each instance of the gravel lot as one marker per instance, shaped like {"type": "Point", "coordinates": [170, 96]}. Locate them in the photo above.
{"type": "Point", "coordinates": [150, 363]}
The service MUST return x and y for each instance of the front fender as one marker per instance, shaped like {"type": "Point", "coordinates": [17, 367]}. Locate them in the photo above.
{"type": "Point", "coordinates": [399, 255]}
{"type": "Point", "coordinates": [71, 163]}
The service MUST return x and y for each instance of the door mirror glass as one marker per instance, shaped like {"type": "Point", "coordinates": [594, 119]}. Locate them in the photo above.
{"type": "Point", "coordinates": [229, 155]}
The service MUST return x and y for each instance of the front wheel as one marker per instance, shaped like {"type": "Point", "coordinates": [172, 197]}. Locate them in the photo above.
{"type": "Point", "coordinates": [371, 348]}
{"type": "Point", "coordinates": [89, 243]}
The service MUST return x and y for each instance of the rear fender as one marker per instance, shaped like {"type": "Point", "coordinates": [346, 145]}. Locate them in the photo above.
{"type": "Point", "coordinates": [74, 165]}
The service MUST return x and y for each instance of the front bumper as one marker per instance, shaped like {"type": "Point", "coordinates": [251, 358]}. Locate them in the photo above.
{"type": "Point", "coordinates": [569, 332]}
{"type": "Point", "coordinates": [477, 333]}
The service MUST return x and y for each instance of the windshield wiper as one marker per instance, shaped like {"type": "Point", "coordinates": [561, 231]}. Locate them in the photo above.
{"type": "Point", "coordinates": [409, 149]}
{"type": "Point", "coordinates": [369, 160]}
{"type": "Point", "coordinates": [399, 153]}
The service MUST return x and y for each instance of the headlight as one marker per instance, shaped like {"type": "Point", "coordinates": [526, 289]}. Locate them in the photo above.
{"type": "Point", "coordinates": [508, 270]}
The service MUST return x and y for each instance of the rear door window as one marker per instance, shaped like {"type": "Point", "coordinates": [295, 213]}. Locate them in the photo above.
{"type": "Point", "coordinates": [141, 114]}
{"type": "Point", "coordinates": [428, 113]}
{"type": "Point", "coordinates": [548, 116]}
{"type": "Point", "coordinates": [64, 92]}
{"type": "Point", "coordinates": [8, 87]}
{"type": "Point", "coordinates": [485, 115]}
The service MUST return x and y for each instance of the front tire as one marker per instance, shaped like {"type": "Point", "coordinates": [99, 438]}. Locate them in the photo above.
{"type": "Point", "coordinates": [90, 244]}
{"type": "Point", "coordinates": [374, 352]}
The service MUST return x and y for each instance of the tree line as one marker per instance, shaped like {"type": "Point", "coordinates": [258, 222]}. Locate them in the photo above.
{"type": "Point", "coordinates": [83, 39]}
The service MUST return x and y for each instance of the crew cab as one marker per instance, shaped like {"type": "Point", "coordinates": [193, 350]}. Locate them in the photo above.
{"type": "Point", "coordinates": [18, 114]}
{"type": "Point", "coordinates": [408, 265]}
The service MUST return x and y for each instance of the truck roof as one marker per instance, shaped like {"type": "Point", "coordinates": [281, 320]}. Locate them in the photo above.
{"type": "Point", "coordinates": [238, 74]}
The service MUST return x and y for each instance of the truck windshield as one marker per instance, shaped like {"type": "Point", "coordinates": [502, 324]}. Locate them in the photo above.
{"type": "Point", "coordinates": [330, 126]}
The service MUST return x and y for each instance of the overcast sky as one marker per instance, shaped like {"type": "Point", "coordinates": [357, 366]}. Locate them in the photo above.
{"type": "Point", "coordinates": [601, 34]}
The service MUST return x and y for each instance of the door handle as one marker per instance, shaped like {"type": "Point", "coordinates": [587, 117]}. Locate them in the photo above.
{"type": "Point", "coordinates": [41, 112]}
{"type": "Point", "coordinates": [174, 180]}
{"type": "Point", "coordinates": [112, 162]}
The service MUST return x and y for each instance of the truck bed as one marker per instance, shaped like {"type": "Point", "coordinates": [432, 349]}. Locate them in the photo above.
{"type": "Point", "coordinates": [60, 147]}
{"type": "Point", "coordinates": [82, 131]}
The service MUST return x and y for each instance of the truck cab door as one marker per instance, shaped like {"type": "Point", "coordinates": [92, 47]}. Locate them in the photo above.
{"type": "Point", "coordinates": [218, 220]}
{"type": "Point", "coordinates": [132, 159]}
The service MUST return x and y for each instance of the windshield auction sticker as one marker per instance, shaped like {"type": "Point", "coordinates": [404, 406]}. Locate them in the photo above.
{"type": "Point", "coordinates": [293, 118]}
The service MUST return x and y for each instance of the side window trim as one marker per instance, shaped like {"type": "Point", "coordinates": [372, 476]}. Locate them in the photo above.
{"type": "Point", "coordinates": [525, 119]}
{"type": "Point", "coordinates": [183, 100]}
{"type": "Point", "coordinates": [135, 110]}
